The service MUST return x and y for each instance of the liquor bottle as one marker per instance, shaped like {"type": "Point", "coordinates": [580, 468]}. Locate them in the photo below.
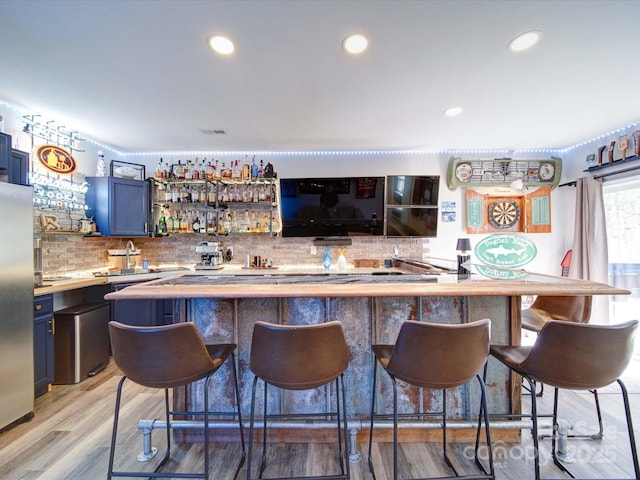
{"type": "Point", "coordinates": [254, 168]}
{"type": "Point", "coordinates": [275, 224]}
{"type": "Point", "coordinates": [261, 169]}
{"type": "Point", "coordinates": [188, 171]}
{"type": "Point", "coordinates": [326, 260]}
{"type": "Point", "coordinates": [246, 193]}
{"type": "Point", "coordinates": [225, 172]}
{"type": "Point", "coordinates": [169, 221]}
{"type": "Point", "coordinates": [234, 222]}
{"type": "Point", "coordinates": [236, 172]}
{"type": "Point", "coordinates": [195, 225]}
{"type": "Point", "coordinates": [160, 170]}
{"type": "Point", "coordinates": [203, 169]}
{"type": "Point", "coordinates": [179, 170]}
{"type": "Point", "coordinates": [195, 169]}
{"type": "Point", "coordinates": [246, 169]}
{"type": "Point", "coordinates": [183, 222]}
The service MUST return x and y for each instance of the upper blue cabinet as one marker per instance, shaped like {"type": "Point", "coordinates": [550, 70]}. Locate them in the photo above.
{"type": "Point", "coordinates": [119, 206]}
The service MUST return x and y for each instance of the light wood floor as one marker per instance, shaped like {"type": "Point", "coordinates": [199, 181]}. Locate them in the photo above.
{"type": "Point", "coordinates": [70, 435]}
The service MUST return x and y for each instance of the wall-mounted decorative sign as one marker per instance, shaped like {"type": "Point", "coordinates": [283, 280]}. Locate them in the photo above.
{"type": "Point", "coordinates": [530, 212]}
{"type": "Point", "coordinates": [501, 253]}
{"type": "Point", "coordinates": [57, 193]}
{"type": "Point", "coordinates": [56, 159]}
{"type": "Point", "coordinates": [501, 172]}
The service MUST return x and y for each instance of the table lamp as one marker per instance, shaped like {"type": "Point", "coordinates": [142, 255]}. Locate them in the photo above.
{"type": "Point", "coordinates": [462, 246]}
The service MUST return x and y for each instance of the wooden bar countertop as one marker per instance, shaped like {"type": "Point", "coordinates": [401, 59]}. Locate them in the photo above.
{"type": "Point", "coordinates": [274, 284]}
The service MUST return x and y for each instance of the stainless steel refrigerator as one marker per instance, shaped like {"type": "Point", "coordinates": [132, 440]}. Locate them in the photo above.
{"type": "Point", "coordinates": [16, 303]}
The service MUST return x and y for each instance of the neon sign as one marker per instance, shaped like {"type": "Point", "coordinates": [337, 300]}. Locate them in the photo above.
{"type": "Point", "coordinates": [56, 159]}
{"type": "Point", "coordinates": [59, 193]}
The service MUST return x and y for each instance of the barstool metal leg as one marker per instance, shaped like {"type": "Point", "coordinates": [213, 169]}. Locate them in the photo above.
{"type": "Point", "coordinates": [373, 403]}
{"type": "Point", "coordinates": [632, 439]}
{"type": "Point", "coordinates": [251, 420]}
{"type": "Point", "coordinates": [237, 390]}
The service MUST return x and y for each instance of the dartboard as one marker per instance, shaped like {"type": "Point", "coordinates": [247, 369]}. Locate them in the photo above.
{"type": "Point", "coordinates": [504, 213]}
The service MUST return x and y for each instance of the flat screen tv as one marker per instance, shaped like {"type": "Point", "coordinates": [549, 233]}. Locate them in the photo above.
{"type": "Point", "coordinates": [332, 207]}
{"type": "Point", "coordinates": [412, 206]}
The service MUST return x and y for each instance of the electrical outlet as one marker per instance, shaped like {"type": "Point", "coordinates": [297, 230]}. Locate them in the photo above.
{"type": "Point", "coordinates": [314, 250]}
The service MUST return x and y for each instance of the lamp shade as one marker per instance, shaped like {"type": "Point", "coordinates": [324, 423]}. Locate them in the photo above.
{"type": "Point", "coordinates": [463, 244]}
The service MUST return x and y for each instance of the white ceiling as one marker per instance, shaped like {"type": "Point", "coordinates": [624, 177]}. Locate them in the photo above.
{"type": "Point", "coordinates": [140, 76]}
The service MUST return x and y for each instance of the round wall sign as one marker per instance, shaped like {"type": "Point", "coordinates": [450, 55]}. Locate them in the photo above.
{"type": "Point", "coordinates": [56, 159]}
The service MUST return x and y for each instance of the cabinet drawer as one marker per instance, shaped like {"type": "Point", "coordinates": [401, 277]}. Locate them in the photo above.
{"type": "Point", "coordinates": [43, 304]}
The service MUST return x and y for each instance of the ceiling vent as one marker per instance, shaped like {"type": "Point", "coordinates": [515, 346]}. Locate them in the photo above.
{"type": "Point", "coordinates": [213, 131]}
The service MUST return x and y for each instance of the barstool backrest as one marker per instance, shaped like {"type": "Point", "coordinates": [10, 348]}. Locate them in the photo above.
{"type": "Point", "coordinates": [160, 357]}
{"type": "Point", "coordinates": [433, 355]}
{"type": "Point", "coordinates": [569, 309]}
{"type": "Point", "coordinates": [580, 356]}
{"type": "Point", "coordinates": [298, 357]}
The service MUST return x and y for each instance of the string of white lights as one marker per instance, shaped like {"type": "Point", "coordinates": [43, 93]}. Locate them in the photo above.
{"type": "Point", "coordinates": [368, 153]}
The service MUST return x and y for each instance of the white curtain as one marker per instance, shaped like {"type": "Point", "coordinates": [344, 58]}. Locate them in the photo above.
{"type": "Point", "coordinates": [589, 260]}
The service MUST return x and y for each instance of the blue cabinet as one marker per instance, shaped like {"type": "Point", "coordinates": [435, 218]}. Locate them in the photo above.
{"type": "Point", "coordinates": [19, 167]}
{"type": "Point", "coordinates": [119, 206]}
{"type": "Point", "coordinates": [141, 313]}
{"type": "Point", "coordinates": [43, 343]}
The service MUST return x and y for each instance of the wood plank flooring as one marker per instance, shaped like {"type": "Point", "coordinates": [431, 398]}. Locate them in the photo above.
{"type": "Point", "coordinates": [70, 435]}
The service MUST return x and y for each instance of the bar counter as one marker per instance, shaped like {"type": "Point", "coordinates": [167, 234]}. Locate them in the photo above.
{"type": "Point", "coordinates": [371, 307]}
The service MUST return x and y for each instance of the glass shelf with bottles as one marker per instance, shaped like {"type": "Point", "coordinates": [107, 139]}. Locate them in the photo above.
{"type": "Point", "coordinates": [216, 206]}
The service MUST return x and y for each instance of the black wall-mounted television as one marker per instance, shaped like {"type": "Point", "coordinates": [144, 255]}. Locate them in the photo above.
{"type": "Point", "coordinates": [332, 207]}
{"type": "Point", "coordinates": [412, 206]}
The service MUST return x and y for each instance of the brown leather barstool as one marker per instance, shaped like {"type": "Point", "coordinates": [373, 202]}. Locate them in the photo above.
{"type": "Point", "coordinates": [574, 356]}
{"type": "Point", "coordinates": [544, 308]}
{"type": "Point", "coordinates": [169, 356]}
{"type": "Point", "coordinates": [300, 357]}
{"type": "Point", "coordinates": [435, 356]}
{"type": "Point", "coordinates": [568, 309]}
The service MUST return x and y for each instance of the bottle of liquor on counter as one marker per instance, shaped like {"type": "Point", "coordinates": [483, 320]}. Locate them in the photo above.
{"type": "Point", "coordinates": [326, 260]}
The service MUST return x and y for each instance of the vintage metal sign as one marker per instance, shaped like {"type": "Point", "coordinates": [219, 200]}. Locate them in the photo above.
{"type": "Point", "coordinates": [503, 253]}
{"type": "Point", "coordinates": [56, 159]}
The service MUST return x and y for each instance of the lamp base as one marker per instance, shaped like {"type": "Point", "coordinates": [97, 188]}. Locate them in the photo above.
{"type": "Point", "coordinates": [462, 259]}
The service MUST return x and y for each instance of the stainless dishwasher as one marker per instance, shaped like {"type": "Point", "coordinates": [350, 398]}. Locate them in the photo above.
{"type": "Point", "coordinates": [81, 342]}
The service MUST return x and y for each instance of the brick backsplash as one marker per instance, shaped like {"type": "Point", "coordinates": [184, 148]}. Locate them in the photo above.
{"type": "Point", "coordinates": [63, 253]}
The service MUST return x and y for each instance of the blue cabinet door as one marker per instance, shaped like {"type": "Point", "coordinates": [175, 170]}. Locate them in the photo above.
{"type": "Point", "coordinates": [43, 343]}
{"type": "Point", "coordinates": [119, 206]}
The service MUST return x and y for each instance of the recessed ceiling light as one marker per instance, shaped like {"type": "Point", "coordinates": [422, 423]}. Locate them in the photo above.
{"type": "Point", "coordinates": [453, 111]}
{"type": "Point", "coordinates": [525, 41]}
{"type": "Point", "coordinates": [221, 45]}
{"type": "Point", "coordinates": [355, 43]}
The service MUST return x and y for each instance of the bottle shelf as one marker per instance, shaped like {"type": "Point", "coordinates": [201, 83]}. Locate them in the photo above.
{"type": "Point", "coordinates": [218, 212]}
